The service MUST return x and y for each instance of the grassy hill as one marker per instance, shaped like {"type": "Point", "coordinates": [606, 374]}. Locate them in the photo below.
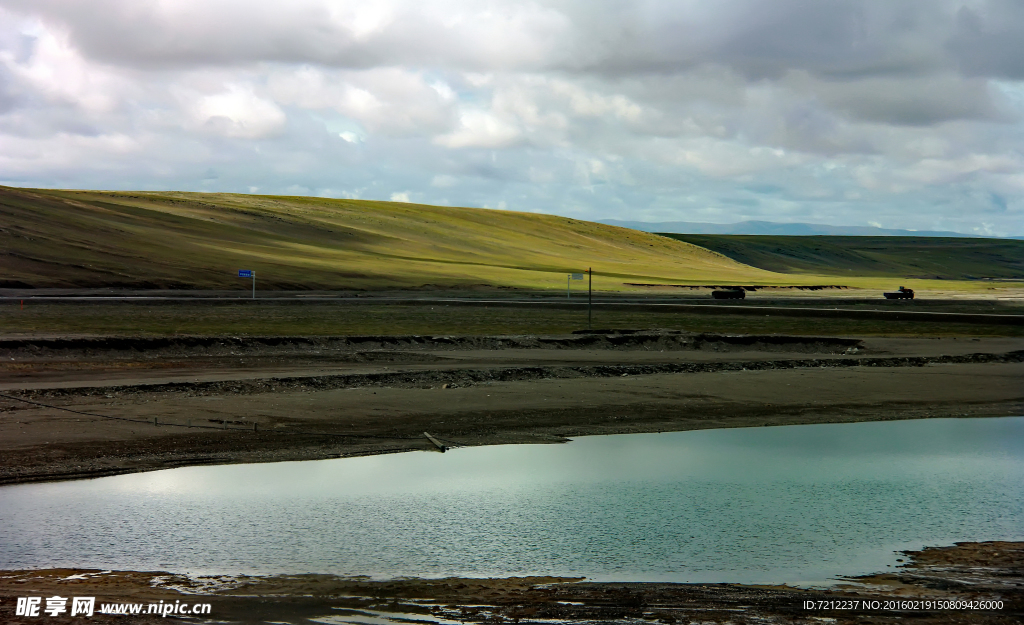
{"type": "Point", "coordinates": [883, 256]}
{"type": "Point", "coordinates": [57, 238]}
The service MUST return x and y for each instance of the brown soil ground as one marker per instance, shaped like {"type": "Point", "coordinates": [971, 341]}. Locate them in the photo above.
{"type": "Point", "coordinates": [938, 585]}
{"type": "Point", "coordinates": [85, 407]}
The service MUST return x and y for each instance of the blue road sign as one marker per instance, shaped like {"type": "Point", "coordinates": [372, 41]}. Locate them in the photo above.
{"type": "Point", "coordinates": [577, 276]}
{"type": "Point", "coordinates": [245, 273]}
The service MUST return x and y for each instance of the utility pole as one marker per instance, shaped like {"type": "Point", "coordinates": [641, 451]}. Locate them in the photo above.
{"type": "Point", "coordinates": [590, 299]}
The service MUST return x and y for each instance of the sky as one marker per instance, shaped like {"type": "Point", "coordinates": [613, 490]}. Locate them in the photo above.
{"type": "Point", "coordinates": [905, 114]}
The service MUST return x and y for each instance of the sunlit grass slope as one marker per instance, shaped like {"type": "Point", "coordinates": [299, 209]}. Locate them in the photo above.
{"type": "Point", "coordinates": [57, 238]}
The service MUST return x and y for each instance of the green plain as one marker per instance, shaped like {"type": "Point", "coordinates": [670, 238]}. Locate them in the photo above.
{"type": "Point", "coordinates": [270, 318]}
{"type": "Point", "coordinates": [922, 258]}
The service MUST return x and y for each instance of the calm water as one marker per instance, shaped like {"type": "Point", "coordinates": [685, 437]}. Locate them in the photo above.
{"type": "Point", "coordinates": [784, 504]}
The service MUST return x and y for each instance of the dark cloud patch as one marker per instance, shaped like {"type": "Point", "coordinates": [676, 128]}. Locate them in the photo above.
{"type": "Point", "coordinates": [353, 35]}
{"type": "Point", "coordinates": [759, 37]}
{"type": "Point", "coordinates": [832, 37]}
{"type": "Point", "coordinates": [988, 39]}
{"type": "Point", "coordinates": [913, 101]}
{"type": "Point", "coordinates": [9, 97]}
{"type": "Point", "coordinates": [188, 33]}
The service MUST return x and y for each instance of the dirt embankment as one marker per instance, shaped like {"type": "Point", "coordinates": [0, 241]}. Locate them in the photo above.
{"type": "Point", "coordinates": [454, 378]}
{"type": "Point", "coordinates": [967, 583]}
{"type": "Point", "coordinates": [85, 408]}
{"type": "Point", "coordinates": [161, 347]}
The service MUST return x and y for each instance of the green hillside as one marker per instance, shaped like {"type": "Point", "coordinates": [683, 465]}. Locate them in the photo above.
{"type": "Point", "coordinates": [56, 238]}
{"type": "Point", "coordinates": [897, 257]}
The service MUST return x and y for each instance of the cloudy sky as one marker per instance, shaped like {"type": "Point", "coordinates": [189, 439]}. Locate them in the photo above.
{"type": "Point", "coordinates": [903, 114]}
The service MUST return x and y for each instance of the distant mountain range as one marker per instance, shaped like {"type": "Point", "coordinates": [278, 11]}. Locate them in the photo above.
{"type": "Point", "coordinates": [768, 227]}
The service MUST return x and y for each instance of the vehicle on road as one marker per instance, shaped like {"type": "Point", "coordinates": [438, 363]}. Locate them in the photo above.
{"type": "Point", "coordinates": [901, 293]}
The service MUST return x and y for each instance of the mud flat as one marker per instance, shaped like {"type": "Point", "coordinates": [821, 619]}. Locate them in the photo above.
{"type": "Point", "coordinates": [979, 582]}
{"type": "Point", "coordinates": [87, 407]}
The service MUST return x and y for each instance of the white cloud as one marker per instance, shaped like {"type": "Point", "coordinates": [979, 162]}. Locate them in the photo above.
{"type": "Point", "coordinates": [57, 71]}
{"type": "Point", "coordinates": [729, 159]}
{"type": "Point", "coordinates": [934, 171]}
{"type": "Point", "coordinates": [591, 104]}
{"type": "Point", "coordinates": [444, 181]}
{"type": "Point", "coordinates": [384, 100]}
{"type": "Point", "coordinates": [401, 197]}
{"type": "Point", "coordinates": [363, 21]}
{"type": "Point", "coordinates": [480, 129]}
{"type": "Point", "coordinates": [239, 112]}
{"type": "Point", "coordinates": [22, 156]}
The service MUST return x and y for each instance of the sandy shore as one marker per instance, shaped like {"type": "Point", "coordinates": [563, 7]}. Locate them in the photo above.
{"type": "Point", "coordinates": [83, 408]}
{"type": "Point", "coordinates": [937, 585]}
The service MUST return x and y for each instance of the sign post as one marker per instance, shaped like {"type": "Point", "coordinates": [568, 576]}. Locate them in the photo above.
{"type": "Point", "coordinates": [590, 299]}
{"type": "Point", "coordinates": [249, 273]}
{"type": "Point", "coordinates": [568, 284]}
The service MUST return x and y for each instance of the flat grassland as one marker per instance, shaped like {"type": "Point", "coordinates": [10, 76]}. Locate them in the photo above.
{"type": "Point", "coordinates": [296, 317]}
{"type": "Point", "coordinates": [937, 258]}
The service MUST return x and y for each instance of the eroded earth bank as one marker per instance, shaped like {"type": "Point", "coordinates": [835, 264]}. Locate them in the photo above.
{"type": "Point", "coordinates": [86, 407]}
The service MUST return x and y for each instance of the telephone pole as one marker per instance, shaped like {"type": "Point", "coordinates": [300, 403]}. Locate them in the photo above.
{"type": "Point", "coordinates": [590, 299]}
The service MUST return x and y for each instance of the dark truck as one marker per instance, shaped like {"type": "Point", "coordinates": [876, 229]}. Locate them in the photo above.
{"type": "Point", "coordinates": [729, 294]}
{"type": "Point", "coordinates": [902, 293]}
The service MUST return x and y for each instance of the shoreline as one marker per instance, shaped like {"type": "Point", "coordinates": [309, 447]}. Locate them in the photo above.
{"type": "Point", "coordinates": [312, 446]}
{"type": "Point", "coordinates": [932, 587]}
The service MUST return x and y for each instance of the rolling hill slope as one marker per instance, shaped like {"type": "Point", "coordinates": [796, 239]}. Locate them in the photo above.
{"type": "Point", "coordinates": [884, 256]}
{"type": "Point", "coordinates": [57, 238]}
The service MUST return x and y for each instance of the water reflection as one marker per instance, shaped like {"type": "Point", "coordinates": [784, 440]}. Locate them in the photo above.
{"type": "Point", "coordinates": [794, 503]}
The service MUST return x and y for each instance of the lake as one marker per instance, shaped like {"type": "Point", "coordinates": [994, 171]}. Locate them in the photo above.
{"type": "Point", "coordinates": [797, 504]}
